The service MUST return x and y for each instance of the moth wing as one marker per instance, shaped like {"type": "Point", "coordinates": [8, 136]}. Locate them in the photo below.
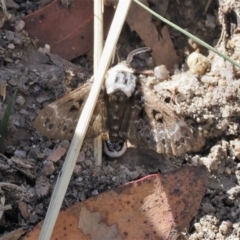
{"type": "Point", "coordinates": [153, 124]}
{"type": "Point", "coordinates": [58, 120]}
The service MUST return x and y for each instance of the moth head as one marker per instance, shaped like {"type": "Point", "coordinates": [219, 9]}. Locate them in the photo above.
{"type": "Point", "coordinates": [120, 78]}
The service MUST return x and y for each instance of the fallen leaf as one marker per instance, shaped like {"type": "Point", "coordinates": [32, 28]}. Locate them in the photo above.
{"type": "Point", "coordinates": [154, 207]}
{"type": "Point", "coordinates": [23, 208]}
{"type": "Point", "coordinates": [57, 154]}
{"type": "Point", "coordinates": [14, 235]}
{"type": "Point", "coordinates": [69, 32]}
{"type": "Point", "coordinates": [158, 40]}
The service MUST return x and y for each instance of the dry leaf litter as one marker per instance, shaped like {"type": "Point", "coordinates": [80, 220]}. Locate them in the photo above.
{"type": "Point", "coordinates": [204, 90]}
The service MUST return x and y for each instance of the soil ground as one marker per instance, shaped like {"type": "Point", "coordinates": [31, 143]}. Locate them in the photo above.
{"type": "Point", "coordinates": [208, 102]}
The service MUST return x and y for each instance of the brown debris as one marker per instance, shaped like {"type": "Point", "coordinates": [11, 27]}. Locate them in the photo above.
{"type": "Point", "coordinates": [154, 207]}
{"type": "Point", "coordinates": [23, 208]}
{"type": "Point", "coordinates": [158, 40]}
{"type": "Point", "coordinates": [14, 235]}
{"type": "Point", "coordinates": [57, 154]}
{"type": "Point", "coordinates": [68, 32]}
{"type": "Point", "coordinates": [25, 166]}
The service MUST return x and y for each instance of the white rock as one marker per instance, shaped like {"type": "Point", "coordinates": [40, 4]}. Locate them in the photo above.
{"type": "Point", "coordinates": [235, 148]}
{"type": "Point", "coordinates": [19, 25]}
{"type": "Point", "coordinates": [197, 63]}
{"type": "Point", "coordinates": [11, 46]}
{"type": "Point", "coordinates": [161, 72]}
{"type": "Point", "coordinates": [225, 226]}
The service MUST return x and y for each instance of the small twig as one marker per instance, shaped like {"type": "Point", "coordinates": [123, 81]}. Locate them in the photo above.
{"type": "Point", "coordinates": [13, 186]}
{"type": "Point", "coordinates": [3, 6]}
{"type": "Point", "coordinates": [207, 6]}
{"type": "Point", "coordinates": [3, 156]}
{"type": "Point", "coordinates": [98, 46]}
{"type": "Point", "coordinates": [4, 208]}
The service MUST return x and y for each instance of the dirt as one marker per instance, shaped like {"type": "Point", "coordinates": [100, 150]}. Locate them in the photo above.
{"type": "Point", "coordinates": [209, 102]}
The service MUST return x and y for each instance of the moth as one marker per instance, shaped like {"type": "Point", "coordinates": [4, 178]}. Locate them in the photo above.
{"type": "Point", "coordinates": [127, 109]}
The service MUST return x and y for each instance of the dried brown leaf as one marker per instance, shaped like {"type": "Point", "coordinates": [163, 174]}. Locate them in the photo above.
{"type": "Point", "coordinates": [23, 208]}
{"type": "Point", "coordinates": [14, 235]}
{"type": "Point", "coordinates": [62, 27]}
{"type": "Point", "coordinates": [57, 154]}
{"type": "Point", "coordinates": [154, 207]}
{"type": "Point", "coordinates": [157, 39]}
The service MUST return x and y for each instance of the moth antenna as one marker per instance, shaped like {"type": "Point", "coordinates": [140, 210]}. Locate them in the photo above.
{"type": "Point", "coordinates": [135, 52]}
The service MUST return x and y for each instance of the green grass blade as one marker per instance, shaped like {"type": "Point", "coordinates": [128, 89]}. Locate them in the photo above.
{"type": "Point", "coordinates": [209, 47]}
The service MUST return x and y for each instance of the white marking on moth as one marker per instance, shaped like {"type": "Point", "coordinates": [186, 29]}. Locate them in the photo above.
{"type": "Point", "coordinates": [115, 127]}
{"type": "Point", "coordinates": [120, 78]}
{"type": "Point", "coordinates": [116, 106]}
{"type": "Point", "coordinates": [115, 153]}
{"type": "Point", "coordinates": [114, 135]}
{"type": "Point", "coordinates": [115, 117]}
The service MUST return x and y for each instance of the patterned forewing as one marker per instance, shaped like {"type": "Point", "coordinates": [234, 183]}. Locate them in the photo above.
{"type": "Point", "coordinates": [58, 120]}
{"type": "Point", "coordinates": [155, 125]}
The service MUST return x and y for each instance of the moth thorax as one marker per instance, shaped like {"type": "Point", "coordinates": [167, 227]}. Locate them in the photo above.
{"type": "Point", "coordinates": [115, 148]}
{"type": "Point", "coordinates": [117, 97]}
{"type": "Point", "coordinates": [120, 80]}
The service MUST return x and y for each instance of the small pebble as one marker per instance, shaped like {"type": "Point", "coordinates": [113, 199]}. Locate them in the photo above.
{"type": "Point", "coordinates": [198, 227]}
{"type": "Point", "coordinates": [226, 111]}
{"type": "Point", "coordinates": [20, 100]}
{"type": "Point", "coordinates": [228, 171]}
{"type": "Point", "coordinates": [161, 72]}
{"type": "Point", "coordinates": [20, 154]}
{"type": "Point", "coordinates": [95, 193]}
{"type": "Point", "coordinates": [81, 157]}
{"type": "Point", "coordinates": [33, 218]}
{"type": "Point", "coordinates": [19, 25]}
{"type": "Point", "coordinates": [48, 168]}
{"type": "Point", "coordinates": [195, 160]}
{"type": "Point", "coordinates": [225, 226]}
{"type": "Point", "coordinates": [197, 63]}
{"type": "Point", "coordinates": [89, 163]}
{"type": "Point", "coordinates": [235, 148]}
{"type": "Point", "coordinates": [221, 82]}
{"type": "Point", "coordinates": [65, 144]}
{"type": "Point", "coordinates": [208, 208]}
{"type": "Point", "coordinates": [77, 171]}
{"type": "Point", "coordinates": [11, 46]}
